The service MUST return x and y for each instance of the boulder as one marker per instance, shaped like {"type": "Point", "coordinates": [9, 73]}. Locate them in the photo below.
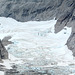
{"type": "Point", "coordinates": [5, 40]}
{"type": "Point", "coordinates": [12, 72]}
{"type": "Point", "coordinates": [27, 10]}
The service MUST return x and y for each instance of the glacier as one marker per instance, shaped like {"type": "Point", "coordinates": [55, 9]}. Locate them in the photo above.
{"type": "Point", "coordinates": [35, 43]}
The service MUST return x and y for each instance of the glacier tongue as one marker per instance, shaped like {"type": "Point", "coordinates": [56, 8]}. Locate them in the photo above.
{"type": "Point", "coordinates": [35, 42]}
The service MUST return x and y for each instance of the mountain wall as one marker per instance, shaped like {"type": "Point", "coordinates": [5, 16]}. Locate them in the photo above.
{"type": "Point", "coordinates": [26, 10]}
{"type": "Point", "coordinates": [68, 19]}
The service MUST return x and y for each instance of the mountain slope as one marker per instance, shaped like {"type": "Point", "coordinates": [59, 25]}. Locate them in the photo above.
{"type": "Point", "coordinates": [68, 19]}
{"type": "Point", "coordinates": [26, 10]}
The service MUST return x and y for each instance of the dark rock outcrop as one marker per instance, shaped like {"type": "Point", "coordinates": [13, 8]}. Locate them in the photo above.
{"type": "Point", "coordinates": [26, 10]}
{"type": "Point", "coordinates": [5, 40]}
{"type": "Point", "coordinates": [3, 52]}
{"type": "Point", "coordinates": [68, 19]}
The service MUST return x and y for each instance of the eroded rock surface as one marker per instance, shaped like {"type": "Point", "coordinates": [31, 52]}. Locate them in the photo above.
{"type": "Point", "coordinates": [5, 40]}
{"type": "Point", "coordinates": [3, 51]}
{"type": "Point", "coordinates": [68, 19]}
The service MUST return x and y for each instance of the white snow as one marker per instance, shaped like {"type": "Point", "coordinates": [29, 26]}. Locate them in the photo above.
{"type": "Point", "coordinates": [35, 42]}
{"type": "Point", "coordinates": [11, 61]}
{"type": "Point", "coordinates": [1, 73]}
{"type": "Point", "coordinates": [7, 64]}
{"type": "Point", "coordinates": [72, 74]}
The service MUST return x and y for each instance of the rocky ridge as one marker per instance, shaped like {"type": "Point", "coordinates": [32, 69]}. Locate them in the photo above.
{"type": "Point", "coordinates": [26, 10]}
{"type": "Point", "coordinates": [68, 19]}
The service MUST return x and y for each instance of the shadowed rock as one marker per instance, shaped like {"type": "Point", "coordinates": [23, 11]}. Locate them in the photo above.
{"type": "Point", "coordinates": [6, 41]}
{"type": "Point", "coordinates": [68, 19]}
{"type": "Point", "coordinates": [3, 51]}
{"type": "Point", "coordinates": [12, 72]}
{"type": "Point", "coordinates": [27, 10]}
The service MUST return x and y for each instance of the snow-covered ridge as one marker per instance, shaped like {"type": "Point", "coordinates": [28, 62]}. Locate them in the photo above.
{"type": "Point", "coordinates": [36, 41]}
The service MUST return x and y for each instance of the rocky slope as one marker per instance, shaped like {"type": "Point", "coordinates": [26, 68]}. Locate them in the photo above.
{"type": "Point", "coordinates": [3, 52]}
{"type": "Point", "coordinates": [68, 19]}
{"type": "Point", "coordinates": [26, 10]}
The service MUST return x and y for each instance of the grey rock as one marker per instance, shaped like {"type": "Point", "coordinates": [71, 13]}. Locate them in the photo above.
{"type": "Point", "coordinates": [71, 41]}
{"type": "Point", "coordinates": [5, 40]}
{"type": "Point", "coordinates": [68, 19]}
{"type": "Point", "coordinates": [12, 72]}
{"type": "Point", "coordinates": [2, 68]}
{"type": "Point", "coordinates": [63, 20]}
{"type": "Point", "coordinates": [3, 51]}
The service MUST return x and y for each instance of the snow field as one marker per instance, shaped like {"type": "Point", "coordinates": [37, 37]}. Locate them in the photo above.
{"type": "Point", "coordinates": [35, 42]}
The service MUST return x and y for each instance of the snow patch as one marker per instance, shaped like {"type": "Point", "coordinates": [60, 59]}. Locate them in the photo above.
{"type": "Point", "coordinates": [36, 41]}
{"type": "Point", "coordinates": [1, 73]}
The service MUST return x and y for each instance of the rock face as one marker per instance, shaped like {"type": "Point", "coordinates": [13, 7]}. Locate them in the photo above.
{"type": "Point", "coordinates": [68, 19]}
{"type": "Point", "coordinates": [5, 40]}
{"type": "Point", "coordinates": [25, 10]}
{"type": "Point", "coordinates": [71, 40]}
{"type": "Point", "coordinates": [3, 52]}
